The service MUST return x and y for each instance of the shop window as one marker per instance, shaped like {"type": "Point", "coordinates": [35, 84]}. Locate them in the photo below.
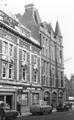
{"type": "Point", "coordinates": [24, 99]}
{"type": "Point", "coordinates": [35, 96]}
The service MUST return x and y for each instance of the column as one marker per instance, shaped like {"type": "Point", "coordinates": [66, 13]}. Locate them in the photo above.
{"type": "Point", "coordinates": [17, 59]}
{"type": "Point", "coordinates": [40, 67]}
{"type": "Point", "coordinates": [50, 98]}
{"type": "Point", "coordinates": [15, 99]}
{"type": "Point", "coordinates": [5, 99]}
{"type": "Point", "coordinates": [30, 65]}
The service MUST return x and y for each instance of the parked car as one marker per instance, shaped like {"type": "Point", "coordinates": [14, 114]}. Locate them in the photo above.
{"type": "Point", "coordinates": [8, 113]}
{"type": "Point", "coordinates": [40, 107]}
{"type": "Point", "coordinates": [69, 105]}
{"type": "Point", "coordinates": [62, 107]}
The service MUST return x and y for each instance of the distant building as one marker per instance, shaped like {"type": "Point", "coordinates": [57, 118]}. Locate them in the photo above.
{"type": "Point", "coordinates": [69, 86]}
{"type": "Point", "coordinates": [52, 66]}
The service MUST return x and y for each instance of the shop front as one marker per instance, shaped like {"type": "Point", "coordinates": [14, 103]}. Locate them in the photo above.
{"type": "Point", "coordinates": [60, 97]}
{"type": "Point", "coordinates": [8, 95]}
{"type": "Point", "coordinates": [47, 97]}
{"type": "Point", "coordinates": [27, 96]}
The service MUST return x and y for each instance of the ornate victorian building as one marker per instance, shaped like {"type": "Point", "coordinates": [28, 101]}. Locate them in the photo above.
{"type": "Point", "coordinates": [52, 66]}
{"type": "Point", "coordinates": [52, 63]}
{"type": "Point", "coordinates": [20, 66]}
{"type": "Point", "coordinates": [31, 59]}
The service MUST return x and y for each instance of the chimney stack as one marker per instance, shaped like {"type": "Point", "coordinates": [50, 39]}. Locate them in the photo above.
{"type": "Point", "coordinates": [29, 7]}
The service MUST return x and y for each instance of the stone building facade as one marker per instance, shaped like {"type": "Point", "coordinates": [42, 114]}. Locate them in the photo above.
{"type": "Point", "coordinates": [20, 62]}
{"type": "Point", "coordinates": [52, 66]}
{"type": "Point", "coordinates": [52, 75]}
{"type": "Point", "coordinates": [31, 59]}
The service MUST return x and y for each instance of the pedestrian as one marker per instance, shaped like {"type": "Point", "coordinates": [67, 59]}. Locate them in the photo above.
{"type": "Point", "coordinates": [2, 113]}
{"type": "Point", "coordinates": [19, 107]}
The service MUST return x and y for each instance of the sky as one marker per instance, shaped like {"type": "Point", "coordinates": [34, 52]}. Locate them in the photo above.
{"type": "Point", "coordinates": [51, 11]}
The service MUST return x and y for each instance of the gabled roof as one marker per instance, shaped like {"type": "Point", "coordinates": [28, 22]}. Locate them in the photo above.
{"type": "Point", "coordinates": [37, 17]}
{"type": "Point", "coordinates": [50, 28]}
{"type": "Point", "coordinates": [57, 30]}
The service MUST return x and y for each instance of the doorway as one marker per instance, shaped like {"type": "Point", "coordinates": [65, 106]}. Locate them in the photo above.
{"type": "Point", "coordinates": [9, 100]}
{"type": "Point", "coordinates": [1, 97]}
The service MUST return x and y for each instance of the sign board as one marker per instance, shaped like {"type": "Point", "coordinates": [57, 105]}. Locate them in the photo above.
{"type": "Point", "coordinates": [70, 98]}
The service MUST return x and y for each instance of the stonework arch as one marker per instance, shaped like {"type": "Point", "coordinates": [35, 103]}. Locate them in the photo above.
{"type": "Point", "coordinates": [46, 96]}
{"type": "Point", "coordinates": [54, 98]}
{"type": "Point", "coordinates": [60, 96]}
{"type": "Point", "coordinates": [54, 91]}
{"type": "Point", "coordinates": [46, 91]}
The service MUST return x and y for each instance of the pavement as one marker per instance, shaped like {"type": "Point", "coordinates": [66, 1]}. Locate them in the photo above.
{"type": "Point", "coordinates": [29, 113]}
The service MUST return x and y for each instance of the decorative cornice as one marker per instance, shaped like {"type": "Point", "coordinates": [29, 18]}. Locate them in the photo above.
{"type": "Point", "coordinates": [18, 34]}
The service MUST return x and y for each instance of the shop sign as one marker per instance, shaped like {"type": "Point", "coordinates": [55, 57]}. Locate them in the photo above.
{"type": "Point", "coordinates": [71, 98]}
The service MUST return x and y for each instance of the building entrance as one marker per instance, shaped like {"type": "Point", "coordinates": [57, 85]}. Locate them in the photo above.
{"type": "Point", "coordinates": [1, 97]}
{"type": "Point", "coordinates": [9, 100]}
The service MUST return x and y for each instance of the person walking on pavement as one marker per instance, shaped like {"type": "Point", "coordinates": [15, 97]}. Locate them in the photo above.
{"type": "Point", "coordinates": [2, 114]}
{"type": "Point", "coordinates": [19, 107]}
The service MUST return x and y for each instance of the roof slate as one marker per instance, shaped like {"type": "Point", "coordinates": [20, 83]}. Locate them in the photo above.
{"type": "Point", "coordinates": [31, 20]}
